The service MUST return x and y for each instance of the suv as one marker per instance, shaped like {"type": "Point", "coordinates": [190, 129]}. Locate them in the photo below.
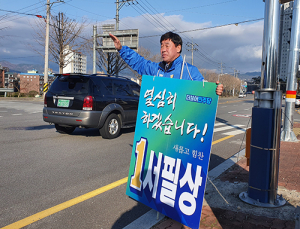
{"type": "Point", "coordinates": [91, 101]}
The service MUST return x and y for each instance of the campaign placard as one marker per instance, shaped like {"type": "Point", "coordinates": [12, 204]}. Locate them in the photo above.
{"type": "Point", "coordinates": [171, 148]}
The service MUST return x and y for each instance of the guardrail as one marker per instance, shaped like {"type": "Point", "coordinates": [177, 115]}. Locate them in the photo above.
{"type": "Point", "coordinates": [6, 90]}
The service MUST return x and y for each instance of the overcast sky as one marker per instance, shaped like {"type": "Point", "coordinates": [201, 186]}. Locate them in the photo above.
{"type": "Point", "coordinates": [235, 46]}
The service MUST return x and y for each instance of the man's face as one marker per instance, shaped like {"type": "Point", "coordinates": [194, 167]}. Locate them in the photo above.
{"type": "Point", "coordinates": [169, 51]}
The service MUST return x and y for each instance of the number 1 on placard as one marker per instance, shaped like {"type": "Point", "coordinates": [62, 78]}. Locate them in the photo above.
{"type": "Point", "coordinates": [140, 151]}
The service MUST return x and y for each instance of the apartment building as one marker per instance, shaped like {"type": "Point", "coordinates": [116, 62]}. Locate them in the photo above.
{"type": "Point", "coordinates": [33, 82]}
{"type": "Point", "coordinates": [77, 62]}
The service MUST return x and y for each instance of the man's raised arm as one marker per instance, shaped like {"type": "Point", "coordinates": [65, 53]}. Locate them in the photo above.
{"type": "Point", "coordinates": [116, 41]}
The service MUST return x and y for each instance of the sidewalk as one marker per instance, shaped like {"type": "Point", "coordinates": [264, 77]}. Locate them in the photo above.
{"type": "Point", "coordinates": [223, 208]}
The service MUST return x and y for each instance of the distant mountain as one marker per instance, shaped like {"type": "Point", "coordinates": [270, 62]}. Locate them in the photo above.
{"type": "Point", "coordinates": [18, 68]}
{"type": "Point", "coordinates": [249, 75]}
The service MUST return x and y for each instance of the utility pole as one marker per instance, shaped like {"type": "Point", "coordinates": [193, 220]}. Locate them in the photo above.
{"type": "Point", "coordinates": [291, 88]}
{"type": "Point", "coordinates": [94, 49]}
{"type": "Point", "coordinates": [189, 44]}
{"type": "Point", "coordinates": [45, 89]}
{"type": "Point", "coordinates": [119, 5]}
{"type": "Point", "coordinates": [47, 45]}
{"type": "Point", "coordinates": [221, 71]}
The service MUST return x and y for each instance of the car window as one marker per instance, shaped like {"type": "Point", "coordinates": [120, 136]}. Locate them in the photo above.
{"type": "Point", "coordinates": [102, 86]}
{"type": "Point", "coordinates": [135, 89]}
{"type": "Point", "coordinates": [106, 86]}
{"type": "Point", "coordinates": [122, 88]}
{"type": "Point", "coordinates": [70, 85]}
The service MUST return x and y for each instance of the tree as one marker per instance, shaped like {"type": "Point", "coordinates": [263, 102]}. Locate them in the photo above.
{"type": "Point", "coordinates": [64, 38]}
{"type": "Point", "coordinates": [110, 62]}
{"type": "Point", "coordinates": [230, 83]}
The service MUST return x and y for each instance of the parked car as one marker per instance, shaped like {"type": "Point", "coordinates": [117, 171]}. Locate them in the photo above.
{"type": "Point", "coordinates": [297, 102]}
{"type": "Point", "coordinates": [242, 95]}
{"type": "Point", "coordinates": [91, 101]}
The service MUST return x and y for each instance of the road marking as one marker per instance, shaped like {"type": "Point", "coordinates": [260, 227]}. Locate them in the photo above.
{"type": "Point", "coordinates": [235, 132]}
{"type": "Point", "coordinates": [234, 101]}
{"type": "Point", "coordinates": [231, 112]}
{"type": "Point", "coordinates": [222, 139]}
{"type": "Point", "coordinates": [50, 211]}
{"type": "Point", "coordinates": [227, 128]}
{"type": "Point", "coordinates": [220, 124]}
{"type": "Point", "coordinates": [34, 112]}
{"type": "Point", "coordinates": [242, 115]}
{"type": "Point", "coordinates": [16, 114]}
{"type": "Point", "coordinates": [247, 109]}
{"type": "Point", "coordinates": [62, 206]}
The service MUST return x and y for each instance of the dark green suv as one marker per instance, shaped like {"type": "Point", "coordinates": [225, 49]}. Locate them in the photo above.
{"type": "Point", "coordinates": [91, 101]}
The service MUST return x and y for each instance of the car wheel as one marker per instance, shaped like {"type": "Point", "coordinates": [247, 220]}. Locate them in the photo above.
{"type": "Point", "coordinates": [64, 130]}
{"type": "Point", "coordinates": [112, 127]}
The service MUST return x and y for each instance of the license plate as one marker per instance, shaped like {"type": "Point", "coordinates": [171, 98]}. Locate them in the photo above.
{"type": "Point", "coordinates": [63, 103]}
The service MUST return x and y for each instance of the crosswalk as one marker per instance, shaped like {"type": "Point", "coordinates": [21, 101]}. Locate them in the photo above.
{"type": "Point", "coordinates": [229, 129]}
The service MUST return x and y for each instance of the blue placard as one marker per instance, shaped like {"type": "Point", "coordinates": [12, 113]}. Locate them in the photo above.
{"type": "Point", "coordinates": [171, 148]}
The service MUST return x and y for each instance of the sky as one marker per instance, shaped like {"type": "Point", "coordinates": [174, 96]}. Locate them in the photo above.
{"type": "Point", "coordinates": [226, 33]}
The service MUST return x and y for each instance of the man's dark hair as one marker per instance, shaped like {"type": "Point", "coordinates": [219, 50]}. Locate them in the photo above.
{"type": "Point", "coordinates": [175, 38]}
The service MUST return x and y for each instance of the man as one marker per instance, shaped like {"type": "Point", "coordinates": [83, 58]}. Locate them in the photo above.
{"type": "Point", "coordinates": [171, 66]}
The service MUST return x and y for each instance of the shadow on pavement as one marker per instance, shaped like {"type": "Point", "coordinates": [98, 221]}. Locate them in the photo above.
{"type": "Point", "coordinates": [94, 132]}
{"type": "Point", "coordinates": [42, 127]}
{"type": "Point", "coordinates": [128, 217]}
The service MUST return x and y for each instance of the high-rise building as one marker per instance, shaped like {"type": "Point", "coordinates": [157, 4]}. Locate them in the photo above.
{"type": "Point", "coordinates": [76, 61]}
{"type": "Point", "coordinates": [285, 38]}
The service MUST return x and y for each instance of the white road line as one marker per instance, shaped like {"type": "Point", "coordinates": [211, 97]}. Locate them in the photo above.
{"type": "Point", "coordinates": [231, 112]}
{"type": "Point", "coordinates": [227, 128]}
{"type": "Point", "coordinates": [247, 109]}
{"type": "Point", "coordinates": [220, 124]}
{"type": "Point", "coordinates": [235, 132]}
{"type": "Point", "coordinates": [16, 114]}
{"type": "Point", "coordinates": [35, 112]}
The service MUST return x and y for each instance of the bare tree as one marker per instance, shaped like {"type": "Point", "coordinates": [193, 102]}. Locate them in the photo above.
{"type": "Point", "coordinates": [230, 83]}
{"type": "Point", "coordinates": [110, 62]}
{"type": "Point", "coordinates": [64, 38]}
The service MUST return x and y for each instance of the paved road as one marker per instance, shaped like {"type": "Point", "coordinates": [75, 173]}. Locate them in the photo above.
{"type": "Point", "coordinates": [41, 168]}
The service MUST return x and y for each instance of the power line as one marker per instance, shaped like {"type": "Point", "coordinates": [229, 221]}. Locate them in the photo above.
{"type": "Point", "coordinates": [191, 8]}
{"type": "Point", "coordinates": [15, 12]}
{"type": "Point", "coordinates": [212, 27]}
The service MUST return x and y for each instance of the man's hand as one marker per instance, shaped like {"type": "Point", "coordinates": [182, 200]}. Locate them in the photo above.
{"type": "Point", "coordinates": [219, 89]}
{"type": "Point", "coordinates": [116, 41]}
